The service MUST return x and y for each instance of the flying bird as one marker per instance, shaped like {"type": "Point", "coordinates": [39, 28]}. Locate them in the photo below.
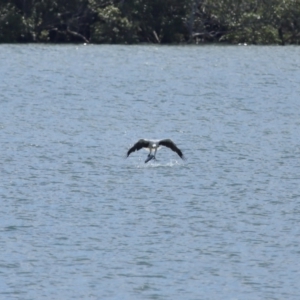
{"type": "Point", "coordinates": [153, 146]}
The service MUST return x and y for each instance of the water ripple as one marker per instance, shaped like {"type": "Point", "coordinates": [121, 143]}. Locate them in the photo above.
{"type": "Point", "coordinates": [78, 219]}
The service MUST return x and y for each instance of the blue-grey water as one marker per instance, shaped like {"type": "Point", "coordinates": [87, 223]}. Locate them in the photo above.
{"type": "Point", "coordinates": [79, 221]}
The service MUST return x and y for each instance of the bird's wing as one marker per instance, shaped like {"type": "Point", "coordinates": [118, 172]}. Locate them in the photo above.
{"type": "Point", "coordinates": [169, 143]}
{"type": "Point", "coordinates": [138, 145]}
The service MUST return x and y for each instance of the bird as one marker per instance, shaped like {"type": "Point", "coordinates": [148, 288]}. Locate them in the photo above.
{"type": "Point", "coordinates": [154, 145]}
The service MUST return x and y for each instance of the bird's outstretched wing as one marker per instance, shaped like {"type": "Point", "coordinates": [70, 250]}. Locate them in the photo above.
{"type": "Point", "coordinates": [170, 144]}
{"type": "Point", "coordinates": [138, 145]}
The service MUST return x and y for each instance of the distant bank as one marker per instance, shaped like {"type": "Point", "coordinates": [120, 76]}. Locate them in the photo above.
{"type": "Point", "coordinates": [150, 21]}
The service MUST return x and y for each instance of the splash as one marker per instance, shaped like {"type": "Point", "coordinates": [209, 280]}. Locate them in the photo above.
{"type": "Point", "coordinates": [158, 164]}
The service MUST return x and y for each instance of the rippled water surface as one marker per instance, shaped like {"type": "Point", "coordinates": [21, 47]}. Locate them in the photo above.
{"type": "Point", "coordinates": [79, 221]}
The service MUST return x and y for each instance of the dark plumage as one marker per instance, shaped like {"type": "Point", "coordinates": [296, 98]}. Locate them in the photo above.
{"type": "Point", "coordinates": [138, 146]}
{"type": "Point", "coordinates": [169, 143]}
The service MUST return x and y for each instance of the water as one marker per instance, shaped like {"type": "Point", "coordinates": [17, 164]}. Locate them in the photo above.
{"type": "Point", "coordinates": [79, 221]}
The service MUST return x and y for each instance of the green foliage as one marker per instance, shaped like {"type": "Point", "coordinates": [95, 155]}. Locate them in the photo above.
{"type": "Point", "coordinates": [154, 21]}
{"type": "Point", "coordinates": [257, 22]}
{"type": "Point", "coordinates": [12, 25]}
{"type": "Point", "coordinates": [113, 27]}
{"type": "Point", "coordinates": [251, 28]}
{"type": "Point", "coordinates": [159, 21]}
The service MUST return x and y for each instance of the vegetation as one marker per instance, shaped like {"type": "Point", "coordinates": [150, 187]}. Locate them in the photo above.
{"type": "Point", "coordinates": [150, 21]}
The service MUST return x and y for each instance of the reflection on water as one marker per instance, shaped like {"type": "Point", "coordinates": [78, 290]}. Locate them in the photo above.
{"type": "Point", "coordinates": [79, 220]}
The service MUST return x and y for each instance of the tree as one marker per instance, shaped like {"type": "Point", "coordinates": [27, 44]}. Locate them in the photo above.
{"type": "Point", "coordinates": [154, 21]}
